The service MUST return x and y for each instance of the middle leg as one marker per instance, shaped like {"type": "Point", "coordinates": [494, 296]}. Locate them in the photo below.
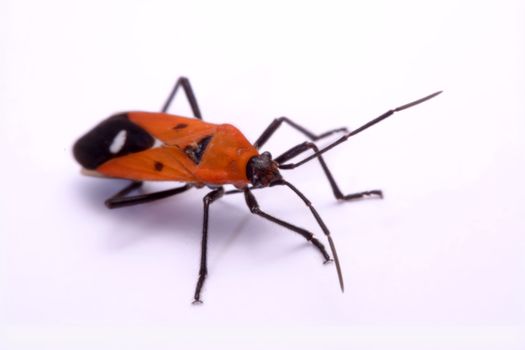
{"type": "Point", "coordinates": [120, 199]}
{"type": "Point", "coordinates": [203, 270]}
{"type": "Point", "coordinates": [186, 86]}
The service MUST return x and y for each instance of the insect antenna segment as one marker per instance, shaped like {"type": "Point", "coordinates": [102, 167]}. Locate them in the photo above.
{"type": "Point", "coordinates": [358, 130]}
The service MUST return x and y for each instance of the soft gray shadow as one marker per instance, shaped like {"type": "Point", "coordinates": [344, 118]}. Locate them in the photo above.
{"type": "Point", "coordinates": [180, 215]}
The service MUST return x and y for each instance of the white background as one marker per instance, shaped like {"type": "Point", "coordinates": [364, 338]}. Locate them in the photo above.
{"type": "Point", "coordinates": [438, 264]}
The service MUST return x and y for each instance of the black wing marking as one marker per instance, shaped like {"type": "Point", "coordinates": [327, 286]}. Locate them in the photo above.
{"type": "Point", "coordinates": [196, 151]}
{"type": "Point", "coordinates": [96, 147]}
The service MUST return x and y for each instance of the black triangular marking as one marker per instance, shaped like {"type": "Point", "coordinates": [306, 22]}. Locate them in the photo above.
{"type": "Point", "coordinates": [196, 151]}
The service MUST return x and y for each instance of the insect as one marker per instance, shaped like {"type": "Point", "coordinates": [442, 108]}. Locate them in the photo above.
{"type": "Point", "coordinates": [144, 146]}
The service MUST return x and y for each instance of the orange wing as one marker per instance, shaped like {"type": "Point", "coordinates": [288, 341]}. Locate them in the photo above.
{"type": "Point", "coordinates": [186, 150]}
{"type": "Point", "coordinates": [171, 129]}
{"type": "Point", "coordinates": [166, 160]}
{"type": "Point", "coordinates": [155, 164]}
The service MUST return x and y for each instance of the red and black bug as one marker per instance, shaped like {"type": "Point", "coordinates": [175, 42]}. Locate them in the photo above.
{"type": "Point", "coordinates": [143, 146]}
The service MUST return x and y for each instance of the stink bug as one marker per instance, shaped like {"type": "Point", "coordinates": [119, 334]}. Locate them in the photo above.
{"type": "Point", "coordinates": [144, 146]}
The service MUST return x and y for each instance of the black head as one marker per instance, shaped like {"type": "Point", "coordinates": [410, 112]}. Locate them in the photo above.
{"type": "Point", "coordinates": [261, 170]}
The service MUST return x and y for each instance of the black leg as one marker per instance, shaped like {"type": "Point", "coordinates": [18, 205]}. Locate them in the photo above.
{"type": "Point", "coordinates": [295, 151]}
{"type": "Point", "coordinates": [277, 122]}
{"type": "Point", "coordinates": [117, 199]}
{"type": "Point", "coordinates": [120, 200]}
{"type": "Point", "coordinates": [203, 270]}
{"type": "Point", "coordinates": [186, 86]}
{"type": "Point", "coordinates": [321, 224]}
{"type": "Point", "coordinates": [254, 208]}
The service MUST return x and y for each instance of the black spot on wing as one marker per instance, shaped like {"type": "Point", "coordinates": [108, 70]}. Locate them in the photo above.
{"type": "Point", "coordinates": [180, 126]}
{"type": "Point", "coordinates": [158, 166]}
{"type": "Point", "coordinates": [196, 151]}
{"type": "Point", "coordinates": [93, 149]}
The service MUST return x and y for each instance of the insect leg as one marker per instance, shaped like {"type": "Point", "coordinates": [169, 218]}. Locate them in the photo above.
{"type": "Point", "coordinates": [120, 200]}
{"type": "Point", "coordinates": [268, 132]}
{"type": "Point", "coordinates": [254, 208]}
{"type": "Point", "coordinates": [305, 146]}
{"type": "Point", "coordinates": [186, 86]}
{"type": "Point", "coordinates": [321, 224]}
{"type": "Point", "coordinates": [203, 270]}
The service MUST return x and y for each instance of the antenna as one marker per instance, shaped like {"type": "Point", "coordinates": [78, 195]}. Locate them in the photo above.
{"type": "Point", "coordinates": [358, 130]}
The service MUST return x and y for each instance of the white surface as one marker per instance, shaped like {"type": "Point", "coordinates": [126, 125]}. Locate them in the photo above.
{"type": "Point", "coordinates": [438, 264]}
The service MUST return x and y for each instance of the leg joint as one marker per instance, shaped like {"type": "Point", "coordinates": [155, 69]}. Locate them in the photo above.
{"type": "Point", "coordinates": [255, 210]}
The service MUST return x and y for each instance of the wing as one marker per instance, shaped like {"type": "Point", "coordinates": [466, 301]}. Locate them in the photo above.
{"type": "Point", "coordinates": [173, 130]}
{"type": "Point", "coordinates": [144, 146]}
{"type": "Point", "coordinates": [156, 164]}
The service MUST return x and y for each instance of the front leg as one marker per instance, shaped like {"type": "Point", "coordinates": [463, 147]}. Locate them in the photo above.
{"type": "Point", "coordinates": [272, 128]}
{"type": "Point", "coordinates": [305, 146]}
{"type": "Point", "coordinates": [252, 204]}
